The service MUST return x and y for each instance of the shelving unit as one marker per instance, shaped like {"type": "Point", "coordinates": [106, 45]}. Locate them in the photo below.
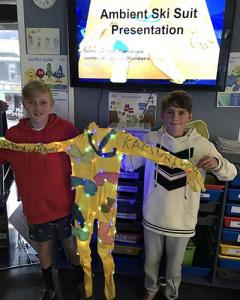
{"type": "Point", "coordinates": [221, 272]}
{"type": "Point", "coordinates": [129, 237]}
{"type": "Point", "coordinates": [229, 249]}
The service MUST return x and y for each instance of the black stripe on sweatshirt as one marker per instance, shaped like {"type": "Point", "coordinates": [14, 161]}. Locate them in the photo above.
{"type": "Point", "coordinates": [168, 230]}
{"type": "Point", "coordinates": [173, 183]}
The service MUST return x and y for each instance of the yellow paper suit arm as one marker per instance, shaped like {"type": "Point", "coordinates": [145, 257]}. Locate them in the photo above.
{"type": "Point", "coordinates": [42, 148]}
{"type": "Point", "coordinates": [131, 145]}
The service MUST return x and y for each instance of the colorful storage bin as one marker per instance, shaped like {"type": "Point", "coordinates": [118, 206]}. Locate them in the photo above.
{"type": "Point", "coordinates": [230, 250]}
{"type": "Point", "coordinates": [131, 238]}
{"type": "Point", "coordinates": [209, 220]}
{"type": "Point", "coordinates": [196, 271]}
{"type": "Point", "coordinates": [209, 207]}
{"type": "Point", "coordinates": [127, 188]}
{"type": "Point", "coordinates": [236, 180]}
{"type": "Point", "coordinates": [228, 274]}
{"type": "Point", "coordinates": [129, 226]}
{"type": "Point", "coordinates": [129, 175]}
{"type": "Point", "coordinates": [232, 209]}
{"type": "Point", "coordinates": [211, 195]}
{"type": "Point", "coordinates": [231, 235]}
{"type": "Point", "coordinates": [188, 256]}
{"type": "Point", "coordinates": [230, 262]}
{"type": "Point", "coordinates": [233, 195]}
{"type": "Point", "coordinates": [126, 249]}
{"type": "Point", "coordinates": [232, 222]}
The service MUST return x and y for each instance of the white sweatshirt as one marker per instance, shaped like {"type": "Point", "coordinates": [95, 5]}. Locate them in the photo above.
{"type": "Point", "coordinates": [170, 207]}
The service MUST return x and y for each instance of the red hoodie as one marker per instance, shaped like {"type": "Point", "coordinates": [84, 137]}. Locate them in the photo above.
{"type": "Point", "coordinates": [43, 181]}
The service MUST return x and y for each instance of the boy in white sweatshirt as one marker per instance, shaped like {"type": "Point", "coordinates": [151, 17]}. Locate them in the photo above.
{"type": "Point", "coordinates": [170, 208]}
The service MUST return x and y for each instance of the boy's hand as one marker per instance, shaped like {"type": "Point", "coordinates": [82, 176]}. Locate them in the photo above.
{"type": "Point", "coordinates": [3, 106]}
{"type": "Point", "coordinates": [208, 163]}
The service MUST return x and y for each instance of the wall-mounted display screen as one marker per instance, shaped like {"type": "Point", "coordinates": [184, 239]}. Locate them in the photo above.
{"type": "Point", "coordinates": [149, 43]}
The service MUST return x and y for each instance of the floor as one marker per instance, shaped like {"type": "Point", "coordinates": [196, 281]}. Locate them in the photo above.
{"type": "Point", "coordinates": [26, 283]}
{"type": "Point", "coordinates": [22, 278]}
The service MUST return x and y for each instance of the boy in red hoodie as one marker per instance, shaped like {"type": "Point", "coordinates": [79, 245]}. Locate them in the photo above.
{"type": "Point", "coordinates": [44, 181]}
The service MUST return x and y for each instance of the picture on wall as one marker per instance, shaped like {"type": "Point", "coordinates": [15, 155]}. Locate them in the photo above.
{"type": "Point", "coordinates": [51, 69]}
{"type": "Point", "coordinates": [132, 108]}
{"type": "Point", "coordinates": [231, 96]}
{"type": "Point", "coordinates": [43, 40]}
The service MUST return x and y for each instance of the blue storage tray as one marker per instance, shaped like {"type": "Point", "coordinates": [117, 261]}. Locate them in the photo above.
{"type": "Point", "coordinates": [233, 195]}
{"type": "Point", "coordinates": [127, 188]}
{"type": "Point", "coordinates": [211, 195]}
{"type": "Point", "coordinates": [129, 175]}
{"type": "Point", "coordinates": [196, 271]}
{"type": "Point", "coordinates": [228, 263]}
{"type": "Point", "coordinates": [236, 180]}
{"type": "Point", "coordinates": [133, 266]}
{"type": "Point", "coordinates": [232, 209]}
{"type": "Point", "coordinates": [231, 235]}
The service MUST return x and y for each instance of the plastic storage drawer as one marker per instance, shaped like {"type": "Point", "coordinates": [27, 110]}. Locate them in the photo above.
{"type": "Point", "coordinates": [129, 175]}
{"type": "Point", "coordinates": [231, 235]}
{"type": "Point", "coordinates": [232, 222]}
{"type": "Point", "coordinates": [209, 207]}
{"type": "Point", "coordinates": [228, 274]}
{"type": "Point", "coordinates": [232, 209]}
{"type": "Point", "coordinates": [233, 195]}
{"type": "Point", "coordinates": [131, 238]}
{"type": "Point", "coordinates": [230, 250]}
{"type": "Point", "coordinates": [211, 195]}
{"type": "Point", "coordinates": [127, 188]}
{"type": "Point", "coordinates": [129, 213]}
{"type": "Point", "coordinates": [195, 271]}
{"type": "Point", "coordinates": [236, 180]}
{"type": "Point", "coordinates": [129, 226]}
{"type": "Point", "coordinates": [126, 249]}
{"type": "Point", "coordinates": [207, 220]}
{"type": "Point", "coordinates": [188, 256]}
{"type": "Point", "coordinates": [229, 262]}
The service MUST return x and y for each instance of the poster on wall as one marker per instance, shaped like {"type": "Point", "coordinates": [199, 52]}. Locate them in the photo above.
{"type": "Point", "coordinates": [52, 70]}
{"type": "Point", "coordinates": [231, 96]}
{"type": "Point", "coordinates": [132, 108]}
{"type": "Point", "coordinates": [43, 40]}
{"type": "Point", "coordinates": [61, 103]}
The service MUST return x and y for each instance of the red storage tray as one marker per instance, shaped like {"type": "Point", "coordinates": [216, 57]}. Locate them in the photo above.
{"type": "Point", "coordinates": [232, 222]}
{"type": "Point", "coordinates": [214, 186]}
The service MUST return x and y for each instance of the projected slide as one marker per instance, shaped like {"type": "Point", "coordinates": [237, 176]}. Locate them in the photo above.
{"type": "Point", "coordinates": [148, 39]}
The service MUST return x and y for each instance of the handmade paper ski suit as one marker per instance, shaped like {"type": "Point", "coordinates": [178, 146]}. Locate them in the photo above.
{"type": "Point", "coordinates": [95, 157]}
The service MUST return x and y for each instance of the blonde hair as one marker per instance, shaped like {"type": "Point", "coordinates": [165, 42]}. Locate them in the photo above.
{"type": "Point", "coordinates": [34, 88]}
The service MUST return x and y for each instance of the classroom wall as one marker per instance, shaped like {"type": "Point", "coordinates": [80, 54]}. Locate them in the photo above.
{"type": "Point", "coordinates": [92, 104]}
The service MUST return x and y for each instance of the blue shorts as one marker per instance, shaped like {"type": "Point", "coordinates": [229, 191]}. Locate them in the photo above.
{"type": "Point", "coordinates": [60, 228]}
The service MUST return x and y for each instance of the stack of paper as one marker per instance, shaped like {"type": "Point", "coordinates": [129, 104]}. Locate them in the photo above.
{"type": "Point", "coordinates": [227, 146]}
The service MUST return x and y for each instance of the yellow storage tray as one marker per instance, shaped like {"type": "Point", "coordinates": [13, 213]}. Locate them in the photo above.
{"type": "Point", "coordinates": [127, 250]}
{"type": "Point", "coordinates": [230, 250]}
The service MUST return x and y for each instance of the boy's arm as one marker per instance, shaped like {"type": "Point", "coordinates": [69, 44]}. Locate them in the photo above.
{"type": "Point", "coordinates": [222, 168]}
{"type": "Point", "coordinates": [130, 163]}
{"type": "Point", "coordinates": [41, 148]}
{"type": "Point", "coordinates": [131, 145]}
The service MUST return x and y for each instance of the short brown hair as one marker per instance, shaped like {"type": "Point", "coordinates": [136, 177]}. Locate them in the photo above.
{"type": "Point", "coordinates": [33, 88]}
{"type": "Point", "coordinates": [178, 99]}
